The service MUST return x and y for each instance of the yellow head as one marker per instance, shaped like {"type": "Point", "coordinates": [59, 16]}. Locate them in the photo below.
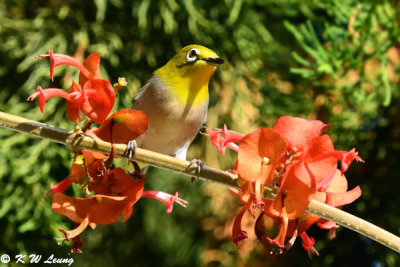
{"type": "Point", "coordinates": [188, 73]}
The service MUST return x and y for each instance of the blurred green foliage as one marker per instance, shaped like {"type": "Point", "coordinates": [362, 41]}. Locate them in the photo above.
{"type": "Point", "coordinates": [338, 61]}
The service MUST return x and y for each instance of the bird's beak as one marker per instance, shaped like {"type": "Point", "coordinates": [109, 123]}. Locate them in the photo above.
{"type": "Point", "coordinates": [214, 60]}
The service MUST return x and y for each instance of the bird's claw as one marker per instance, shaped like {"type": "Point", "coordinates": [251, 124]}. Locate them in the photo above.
{"type": "Point", "coordinates": [196, 165]}
{"type": "Point", "coordinates": [130, 149]}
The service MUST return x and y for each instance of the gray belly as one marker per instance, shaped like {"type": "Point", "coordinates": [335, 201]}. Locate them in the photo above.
{"type": "Point", "coordinates": [168, 135]}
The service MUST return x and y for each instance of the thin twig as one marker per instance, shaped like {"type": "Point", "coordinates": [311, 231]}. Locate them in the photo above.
{"type": "Point", "coordinates": [76, 141]}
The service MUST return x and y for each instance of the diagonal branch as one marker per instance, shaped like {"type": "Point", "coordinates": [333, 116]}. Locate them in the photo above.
{"type": "Point", "coordinates": [76, 140]}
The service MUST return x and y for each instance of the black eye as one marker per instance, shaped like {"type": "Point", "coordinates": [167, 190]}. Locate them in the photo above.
{"type": "Point", "coordinates": [192, 55]}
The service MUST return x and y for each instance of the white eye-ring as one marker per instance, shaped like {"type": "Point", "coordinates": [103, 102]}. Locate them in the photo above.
{"type": "Point", "coordinates": [192, 55]}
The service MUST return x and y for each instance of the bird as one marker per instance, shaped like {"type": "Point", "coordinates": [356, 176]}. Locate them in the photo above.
{"type": "Point", "coordinates": [175, 101]}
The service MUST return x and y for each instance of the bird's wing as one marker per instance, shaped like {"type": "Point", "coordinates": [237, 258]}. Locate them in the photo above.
{"type": "Point", "coordinates": [140, 92]}
{"type": "Point", "coordinates": [153, 82]}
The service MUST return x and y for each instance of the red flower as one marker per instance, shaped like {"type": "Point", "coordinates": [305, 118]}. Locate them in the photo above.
{"type": "Point", "coordinates": [303, 164]}
{"type": "Point", "coordinates": [346, 158]}
{"type": "Point", "coordinates": [91, 64]}
{"type": "Point", "coordinates": [98, 209]}
{"type": "Point", "coordinates": [279, 240]}
{"type": "Point", "coordinates": [93, 96]}
{"type": "Point", "coordinates": [297, 131]}
{"type": "Point", "coordinates": [134, 193]}
{"type": "Point", "coordinates": [74, 105]}
{"type": "Point", "coordinates": [59, 59]}
{"type": "Point", "coordinates": [338, 195]}
{"type": "Point", "coordinates": [166, 198]}
{"type": "Point", "coordinates": [313, 165]}
{"type": "Point", "coordinates": [222, 138]}
{"type": "Point", "coordinates": [260, 153]}
{"type": "Point", "coordinates": [116, 192]}
{"type": "Point", "coordinates": [43, 95]}
{"type": "Point", "coordinates": [237, 233]}
{"type": "Point", "coordinates": [123, 126]}
{"type": "Point", "coordinates": [308, 244]}
{"type": "Point", "coordinates": [302, 178]}
{"type": "Point", "coordinates": [76, 245]}
{"type": "Point", "coordinates": [99, 99]}
{"type": "Point", "coordinates": [91, 156]}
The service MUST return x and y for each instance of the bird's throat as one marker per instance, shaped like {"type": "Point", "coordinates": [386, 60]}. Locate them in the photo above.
{"type": "Point", "coordinates": [189, 90]}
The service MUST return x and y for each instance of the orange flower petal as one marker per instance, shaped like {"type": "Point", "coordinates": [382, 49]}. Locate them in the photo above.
{"type": "Point", "coordinates": [91, 156]}
{"type": "Point", "coordinates": [297, 130]}
{"type": "Point", "coordinates": [124, 125]}
{"type": "Point", "coordinates": [238, 234]}
{"type": "Point", "coordinates": [254, 149]}
{"type": "Point", "coordinates": [119, 180]}
{"type": "Point", "coordinates": [73, 107]}
{"type": "Point", "coordinates": [65, 205]}
{"type": "Point", "coordinates": [91, 63]}
{"type": "Point", "coordinates": [340, 199]}
{"type": "Point", "coordinates": [100, 98]}
{"type": "Point", "coordinates": [106, 209]}
{"type": "Point", "coordinates": [279, 240]}
{"type": "Point", "coordinates": [295, 193]}
{"type": "Point", "coordinates": [75, 232]}
{"type": "Point", "coordinates": [100, 209]}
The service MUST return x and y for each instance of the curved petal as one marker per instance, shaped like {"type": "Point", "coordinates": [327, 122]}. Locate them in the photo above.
{"type": "Point", "coordinates": [222, 138]}
{"type": "Point", "coordinates": [91, 63]}
{"type": "Point", "coordinates": [124, 125]}
{"type": "Point", "coordinates": [100, 209]}
{"type": "Point", "coordinates": [340, 199]}
{"type": "Point", "coordinates": [134, 193]}
{"type": "Point", "coordinates": [295, 193]}
{"type": "Point", "coordinates": [279, 240]}
{"type": "Point", "coordinates": [75, 232]}
{"type": "Point", "coordinates": [44, 94]}
{"type": "Point", "coordinates": [74, 107]}
{"type": "Point", "coordinates": [308, 244]}
{"type": "Point", "coordinates": [98, 106]}
{"type": "Point", "coordinates": [297, 130]}
{"type": "Point", "coordinates": [166, 198]}
{"type": "Point", "coordinates": [237, 233]}
{"type": "Point", "coordinates": [260, 149]}
{"type": "Point", "coordinates": [59, 59]}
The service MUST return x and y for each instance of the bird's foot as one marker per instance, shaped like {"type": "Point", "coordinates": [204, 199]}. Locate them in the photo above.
{"type": "Point", "coordinates": [195, 166]}
{"type": "Point", "coordinates": [130, 149]}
